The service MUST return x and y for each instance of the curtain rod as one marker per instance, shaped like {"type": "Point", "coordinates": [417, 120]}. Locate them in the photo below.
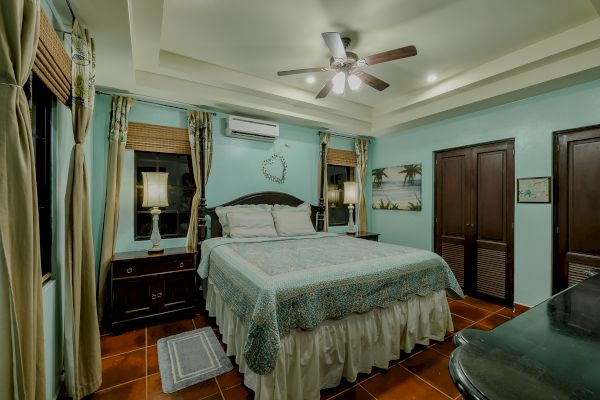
{"type": "Point", "coordinates": [142, 100]}
{"type": "Point", "coordinates": [342, 135]}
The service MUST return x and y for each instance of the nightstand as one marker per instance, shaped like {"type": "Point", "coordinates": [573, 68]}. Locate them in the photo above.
{"type": "Point", "coordinates": [365, 235]}
{"type": "Point", "coordinates": [152, 286]}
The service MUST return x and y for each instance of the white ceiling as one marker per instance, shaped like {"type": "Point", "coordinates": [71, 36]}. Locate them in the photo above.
{"type": "Point", "coordinates": [225, 54]}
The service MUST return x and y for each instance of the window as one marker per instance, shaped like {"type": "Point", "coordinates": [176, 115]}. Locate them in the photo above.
{"type": "Point", "coordinates": [175, 219]}
{"type": "Point", "coordinates": [41, 124]}
{"type": "Point", "coordinates": [336, 176]}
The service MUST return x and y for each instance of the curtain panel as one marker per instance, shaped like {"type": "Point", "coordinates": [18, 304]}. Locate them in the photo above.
{"type": "Point", "coordinates": [362, 157]}
{"type": "Point", "coordinates": [83, 370]}
{"type": "Point", "coordinates": [200, 134]}
{"type": "Point", "coordinates": [117, 138]}
{"type": "Point", "coordinates": [325, 138]}
{"type": "Point", "coordinates": [22, 333]}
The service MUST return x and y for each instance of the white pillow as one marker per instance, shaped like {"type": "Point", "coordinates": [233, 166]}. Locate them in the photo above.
{"type": "Point", "coordinates": [305, 207]}
{"type": "Point", "coordinates": [250, 224]}
{"type": "Point", "coordinates": [222, 213]}
{"type": "Point", "coordinates": [292, 223]}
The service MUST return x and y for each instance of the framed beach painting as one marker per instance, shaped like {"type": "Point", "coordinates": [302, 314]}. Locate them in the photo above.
{"type": "Point", "coordinates": [533, 190]}
{"type": "Point", "coordinates": [397, 188]}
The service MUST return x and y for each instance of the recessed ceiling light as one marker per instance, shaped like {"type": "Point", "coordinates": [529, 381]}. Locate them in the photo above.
{"type": "Point", "coordinates": [432, 78]}
{"type": "Point", "coordinates": [310, 79]}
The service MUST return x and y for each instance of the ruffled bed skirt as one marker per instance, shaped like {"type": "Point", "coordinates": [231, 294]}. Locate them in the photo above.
{"type": "Point", "coordinates": [317, 359]}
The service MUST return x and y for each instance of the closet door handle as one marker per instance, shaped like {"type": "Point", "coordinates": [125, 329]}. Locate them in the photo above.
{"type": "Point", "coordinates": [153, 296]}
{"type": "Point", "coordinates": [159, 295]}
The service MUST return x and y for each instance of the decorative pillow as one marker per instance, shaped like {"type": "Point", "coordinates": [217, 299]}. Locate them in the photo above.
{"type": "Point", "coordinates": [250, 224]}
{"type": "Point", "coordinates": [222, 213]}
{"type": "Point", "coordinates": [292, 223]}
{"type": "Point", "coordinates": [302, 207]}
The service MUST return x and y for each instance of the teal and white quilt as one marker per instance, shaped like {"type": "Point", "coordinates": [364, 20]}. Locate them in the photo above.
{"type": "Point", "coordinates": [275, 285]}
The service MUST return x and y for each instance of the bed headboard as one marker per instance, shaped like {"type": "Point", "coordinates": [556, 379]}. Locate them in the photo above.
{"type": "Point", "coordinates": [259, 198]}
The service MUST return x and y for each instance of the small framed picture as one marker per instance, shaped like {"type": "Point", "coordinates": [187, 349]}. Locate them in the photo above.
{"type": "Point", "coordinates": [534, 190]}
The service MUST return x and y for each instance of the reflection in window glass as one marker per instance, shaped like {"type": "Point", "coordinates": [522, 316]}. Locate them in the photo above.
{"type": "Point", "coordinates": [174, 219]}
{"type": "Point", "coordinates": [336, 176]}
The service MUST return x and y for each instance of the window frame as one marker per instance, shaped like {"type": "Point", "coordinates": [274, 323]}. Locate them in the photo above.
{"type": "Point", "coordinates": [180, 189]}
{"type": "Point", "coordinates": [41, 103]}
{"type": "Point", "coordinates": [350, 175]}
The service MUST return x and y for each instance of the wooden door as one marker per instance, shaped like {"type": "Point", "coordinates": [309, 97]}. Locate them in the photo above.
{"type": "Point", "coordinates": [452, 210]}
{"type": "Point", "coordinates": [474, 215]}
{"type": "Point", "coordinates": [177, 290]}
{"type": "Point", "coordinates": [132, 298]}
{"type": "Point", "coordinates": [492, 211]}
{"type": "Point", "coordinates": [577, 206]}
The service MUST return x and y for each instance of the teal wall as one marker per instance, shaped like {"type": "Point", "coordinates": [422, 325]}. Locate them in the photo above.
{"type": "Point", "coordinates": [236, 166]}
{"type": "Point", "coordinates": [531, 123]}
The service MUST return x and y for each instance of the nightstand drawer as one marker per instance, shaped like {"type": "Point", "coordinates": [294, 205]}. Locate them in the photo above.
{"type": "Point", "coordinates": [151, 267]}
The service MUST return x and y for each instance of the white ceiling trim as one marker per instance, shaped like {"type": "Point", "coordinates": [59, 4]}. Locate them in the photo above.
{"type": "Point", "coordinates": [128, 36]}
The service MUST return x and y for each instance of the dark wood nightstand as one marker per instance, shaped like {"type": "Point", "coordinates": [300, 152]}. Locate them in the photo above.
{"type": "Point", "coordinates": [151, 286]}
{"type": "Point", "coordinates": [365, 235]}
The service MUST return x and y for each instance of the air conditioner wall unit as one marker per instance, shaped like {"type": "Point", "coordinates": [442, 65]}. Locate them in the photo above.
{"type": "Point", "coordinates": [254, 129]}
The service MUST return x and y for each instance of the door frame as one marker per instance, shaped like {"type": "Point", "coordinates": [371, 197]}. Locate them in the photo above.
{"type": "Point", "coordinates": [511, 211]}
{"type": "Point", "coordinates": [557, 273]}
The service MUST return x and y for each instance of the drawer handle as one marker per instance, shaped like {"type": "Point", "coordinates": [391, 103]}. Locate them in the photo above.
{"type": "Point", "coordinates": [153, 296]}
{"type": "Point", "coordinates": [181, 264]}
{"type": "Point", "coordinates": [159, 295]}
{"type": "Point", "coordinates": [129, 270]}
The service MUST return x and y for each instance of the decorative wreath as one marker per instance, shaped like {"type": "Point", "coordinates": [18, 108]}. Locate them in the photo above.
{"type": "Point", "coordinates": [268, 162]}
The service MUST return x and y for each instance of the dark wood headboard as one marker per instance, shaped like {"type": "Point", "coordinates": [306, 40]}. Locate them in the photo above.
{"type": "Point", "coordinates": [259, 198]}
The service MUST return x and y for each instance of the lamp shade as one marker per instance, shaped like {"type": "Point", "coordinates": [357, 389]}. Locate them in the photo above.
{"type": "Point", "coordinates": [333, 194]}
{"type": "Point", "coordinates": [155, 189]}
{"type": "Point", "coordinates": [350, 193]}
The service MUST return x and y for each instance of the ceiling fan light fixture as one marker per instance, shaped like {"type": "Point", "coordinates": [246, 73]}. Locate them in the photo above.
{"type": "Point", "coordinates": [339, 83]}
{"type": "Point", "coordinates": [311, 79]}
{"type": "Point", "coordinates": [354, 82]}
{"type": "Point", "coordinates": [432, 78]}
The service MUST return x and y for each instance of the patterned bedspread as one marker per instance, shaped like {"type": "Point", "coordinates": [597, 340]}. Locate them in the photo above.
{"type": "Point", "coordinates": [275, 285]}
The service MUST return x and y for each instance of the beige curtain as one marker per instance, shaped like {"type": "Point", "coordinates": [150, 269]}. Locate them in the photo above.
{"type": "Point", "coordinates": [199, 127]}
{"type": "Point", "coordinates": [117, 137]}
{"type": "Point", "coordinates": [20, 268]}
{"type": "Point", "coordinates": [325, 137]}
{"type": "Point", "coordinates": [362, 156]}
{"type": "Point", "coordinates": [83, 370]}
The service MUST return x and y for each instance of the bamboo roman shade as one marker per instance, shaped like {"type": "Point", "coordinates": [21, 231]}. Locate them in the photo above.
{"type": "Point", "coordinates": [157, 138]}
{"type": "Point", "coordinates": [341, 157]}
{"type": "Point", "coordinates": [52, 63]}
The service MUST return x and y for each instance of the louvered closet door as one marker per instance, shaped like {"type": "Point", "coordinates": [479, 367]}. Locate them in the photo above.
{"type": "Point", "coordinates": [577, 207]}
{"type": "Point", "coordinates": [492, 219]}
{"type": "Point", "coordinates": [452, 210]}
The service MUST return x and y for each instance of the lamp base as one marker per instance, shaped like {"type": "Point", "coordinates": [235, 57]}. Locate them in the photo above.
{"type": "Point", "coordinates": [351, 226]}
{"type": "Point", "coordinates": [156, 249]}
{"type": "Point", "coordinates": [155, 236]}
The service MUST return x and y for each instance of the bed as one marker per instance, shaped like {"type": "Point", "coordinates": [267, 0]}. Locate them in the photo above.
{"type": "Point", "coordinates": [301, 312]}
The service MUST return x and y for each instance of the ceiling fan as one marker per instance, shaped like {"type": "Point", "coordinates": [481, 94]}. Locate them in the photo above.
{"type": "Point", "coordinates": [347, 65]}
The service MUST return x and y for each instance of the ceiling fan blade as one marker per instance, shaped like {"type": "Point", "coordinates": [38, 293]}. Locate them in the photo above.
{"type": "Point", "coordinates": [334, 42]}
{"type": "Point", "coordinates": [326, 89]}
{"type": "Point", "coordinates": [390, 55]}
{"type": "Point", "coordinates": [302, 71]}
{"type": "Point", "coordinates": [371, 80]}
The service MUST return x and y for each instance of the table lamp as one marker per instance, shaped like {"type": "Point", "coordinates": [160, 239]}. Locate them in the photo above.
{"type": "Point", "coordinates": [155, 196]}
{"type": "Point", "coordinates": [333, 195]}
{"type": "Point", "coordinates": [350, 199]}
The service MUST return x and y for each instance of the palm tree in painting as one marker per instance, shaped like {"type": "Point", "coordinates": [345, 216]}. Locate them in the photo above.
{"type": "Point", "coordinates": [410, 172]}
{"type": "Point", "coordinates": [378, 174]}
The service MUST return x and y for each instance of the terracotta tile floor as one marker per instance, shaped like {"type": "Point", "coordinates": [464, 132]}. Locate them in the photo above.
{"type": "Point", "coordinates": [130, 364]}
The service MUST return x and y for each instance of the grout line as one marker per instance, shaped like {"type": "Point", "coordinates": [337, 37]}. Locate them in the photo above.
{"type": "Point", "coordinates": [120, 384]}
{"type": "Point", "coordinates": [365, 389]}
{"type": "Point", "coordinates": [123, 353]}
{"type": "Point", "coordinates": [410, 372]}
{"type": "Point", "coordinates": [219, 386]}
{"type": "Point", "coordinates": [343, 391]}
{"type": "Point", "coordinates": [472, 305]}
{"type": "Point", "coordinates": [373, 376]}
